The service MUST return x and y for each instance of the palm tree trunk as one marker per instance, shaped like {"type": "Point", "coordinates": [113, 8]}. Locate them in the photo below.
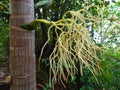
{"type": "Point", "coordinates": [22, 46]}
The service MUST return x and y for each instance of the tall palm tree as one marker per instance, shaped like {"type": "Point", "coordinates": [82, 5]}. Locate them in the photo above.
{"type": "Point", "coordinates": [22, 46]}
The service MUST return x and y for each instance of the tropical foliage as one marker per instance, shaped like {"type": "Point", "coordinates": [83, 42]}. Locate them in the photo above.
{"type": "Point", "coordinates": [104, 30]}
{"type": "Point", "coordinates": [4, 30]}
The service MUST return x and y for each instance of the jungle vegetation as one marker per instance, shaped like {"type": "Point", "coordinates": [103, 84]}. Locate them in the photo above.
{"type": "Point", "coordinates": [62, 37]}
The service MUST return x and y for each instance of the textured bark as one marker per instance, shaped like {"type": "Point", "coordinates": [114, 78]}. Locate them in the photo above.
{"type": "Point", "coordinates": [22, 46]}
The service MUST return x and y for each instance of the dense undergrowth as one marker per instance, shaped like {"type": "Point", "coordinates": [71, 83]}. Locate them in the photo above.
{"type": "Point", "coordinates": [109, 79]}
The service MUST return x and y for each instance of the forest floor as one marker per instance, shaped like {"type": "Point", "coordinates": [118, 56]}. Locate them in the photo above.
{"type": "Point", "coordinates": [4, 72]}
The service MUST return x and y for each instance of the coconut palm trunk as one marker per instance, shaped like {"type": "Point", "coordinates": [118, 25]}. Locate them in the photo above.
{"type": "Point", "coordinates": [22, 46]}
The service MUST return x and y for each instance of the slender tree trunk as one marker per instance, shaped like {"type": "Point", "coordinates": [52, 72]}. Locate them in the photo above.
{"type": "Point", "coordinates": [101, 34]}
{"type": "Point", "coordinates": [92, 31]}
{"type": "Point", "coordinates": [22, 46]}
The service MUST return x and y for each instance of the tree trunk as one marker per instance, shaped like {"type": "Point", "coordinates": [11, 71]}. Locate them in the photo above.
{"type": "Point", "coordinates": [22, 46]}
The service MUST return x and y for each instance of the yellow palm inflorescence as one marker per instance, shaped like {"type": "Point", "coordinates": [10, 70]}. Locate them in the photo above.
{"type": "Point", "coordinates": [73, 45]}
